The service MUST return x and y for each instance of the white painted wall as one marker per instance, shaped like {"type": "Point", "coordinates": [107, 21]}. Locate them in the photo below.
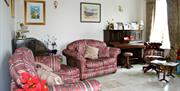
{"type": "Point", "coordinates": [64, 22]}
{"type": "Point", "coordinates": [6, 31]}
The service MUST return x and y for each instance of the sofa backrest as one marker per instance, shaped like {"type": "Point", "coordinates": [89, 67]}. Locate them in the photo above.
{"type": "Point", "coordinates": [22, 60]}
{"type": "Point", "coordinates": [80, 45]}
{"type": "Point", "coordinates": [27, 53]}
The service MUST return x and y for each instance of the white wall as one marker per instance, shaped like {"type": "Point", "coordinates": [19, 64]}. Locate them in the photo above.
{"type": "Point", "coordinates": [6, 31]}
{"type": "Point", "coordinates": [64, 22]}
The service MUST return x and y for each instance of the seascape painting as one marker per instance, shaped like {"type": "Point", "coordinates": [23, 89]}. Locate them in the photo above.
{"type": "Point", "coordinates": [90, 12]}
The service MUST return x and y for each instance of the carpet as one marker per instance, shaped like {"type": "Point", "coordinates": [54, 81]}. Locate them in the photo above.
{"type": "Point", "coordinates": [135, 80]}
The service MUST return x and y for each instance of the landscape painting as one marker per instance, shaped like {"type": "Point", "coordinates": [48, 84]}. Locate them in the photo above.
{"type": "Point", "coordinates": [90, 12]}
{"type": "Point", "coordinates": [34, 12]}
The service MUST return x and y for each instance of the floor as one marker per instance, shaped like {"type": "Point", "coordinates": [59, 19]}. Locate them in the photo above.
{"type": "Point", "coordinates": [135, 80]}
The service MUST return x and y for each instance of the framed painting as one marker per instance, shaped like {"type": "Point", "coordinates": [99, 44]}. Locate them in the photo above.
{"type": "Point", "coordinates": [13, 8]}
{"type": "Point", "coordinates": [34, 12]}
{"type": "Point", "coordinates": [7, 2]}
{"type": "Point", "coordinates": [90, 12]}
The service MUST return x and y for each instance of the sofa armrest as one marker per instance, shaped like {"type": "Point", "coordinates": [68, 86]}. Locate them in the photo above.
{"type": "Point", "coordinates": [75, 59]}
{"type": "Point", "coordinates": [13, 85]}
{"type": "Point", "coordinates": [53, 61]}
{"type": "Point", "coordinates": [114, 52]}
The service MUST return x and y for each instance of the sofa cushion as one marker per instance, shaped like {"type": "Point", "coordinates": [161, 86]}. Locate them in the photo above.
{"type": "Point", "coordinates": [53, 62]}
{"type": "Point", "coordinates": [105, 61]}
{"type": "Point", "coordinates": [104, 52]}
{"type": "Point", "coordinates": [50, 77]}
{"type": "Point", "coordinates": [41, 65]}
{"type": "Point", "coordinates": [69, 74]}
{"type": "Point", "coordinates": [20, 62]}
{"type": "Point", "coordinates": [93, 63]}
{"type": "Point", "coordinates": [99, 69]}
{"type": "Point", "coordinates": [91, 52]}
{"type": "Point", "coordinates": [68, 70]}
{"type": "Point", "coordinates": [108, 61]}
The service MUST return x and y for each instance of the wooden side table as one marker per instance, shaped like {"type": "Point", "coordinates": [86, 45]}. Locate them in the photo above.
{"type": "Point", "coordinates": [165, 68]}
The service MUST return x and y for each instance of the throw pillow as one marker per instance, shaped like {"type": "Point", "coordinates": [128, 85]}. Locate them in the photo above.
{"type": "Point", "coordinates": [91, 52]}
{"type": "Point", "coordinates": [104, 52]}
{"type": "Point", "coordinates": [41, 65]}
{"type": "Point", "coordinates": [50, 77]}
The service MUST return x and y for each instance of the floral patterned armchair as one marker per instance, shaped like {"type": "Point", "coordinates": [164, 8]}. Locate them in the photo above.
{"type": "Point", "coordinates": [24, 60]}
{"type": "Point", "coordinates": [104, 64]}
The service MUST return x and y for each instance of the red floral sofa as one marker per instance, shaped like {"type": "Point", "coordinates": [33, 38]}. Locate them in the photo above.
{"type": "Point", "coordinates": [106, 62]}
{"type": "Point", "coordinates": [23, 59]}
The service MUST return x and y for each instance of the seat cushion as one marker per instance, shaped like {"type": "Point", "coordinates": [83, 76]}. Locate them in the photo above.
{"type": "Point", "coordinates": [149, 58]}
{"type": "Point", "coordinates": [68, 70]}
{"type": "Point", "coordinates": [94, 63]}
{"type": "Point", "coordinates": [108, 61]}
{"type": "Point", "coordinates": [69, 74]}
{"type": "Point", "coordinates": [153, 56]}
{"type": "Point", "coordinates": [128, 54]}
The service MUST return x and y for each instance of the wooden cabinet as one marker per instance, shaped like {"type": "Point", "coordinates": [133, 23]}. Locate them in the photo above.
{"type": "Point", "coordinates": [119, 35]}
{"type": "Point", "coordinates": [135, 48]}
{"type": "Point", "coordinates": [115, 38]}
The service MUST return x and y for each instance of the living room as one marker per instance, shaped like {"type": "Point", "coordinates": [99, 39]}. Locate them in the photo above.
{"type": "Point", "coordinates": [64, 22]}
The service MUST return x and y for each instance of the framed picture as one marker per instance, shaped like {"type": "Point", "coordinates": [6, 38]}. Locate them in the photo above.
{"type": "Point", "coordinates": [13, 8]}
{"type": "Point", "coordinates": [7, 2]}
{"type": "Point", "coordinates": [90, 12]}
{"type": "Point", "coordinates": [34, 12]}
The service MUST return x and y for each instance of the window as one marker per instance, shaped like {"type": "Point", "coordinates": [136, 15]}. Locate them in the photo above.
{"type": "Point", "coordinates": [159, 28]}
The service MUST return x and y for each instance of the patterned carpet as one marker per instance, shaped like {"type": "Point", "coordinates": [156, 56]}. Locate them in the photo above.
{"type": "Point", "coordinates": [135, 80]}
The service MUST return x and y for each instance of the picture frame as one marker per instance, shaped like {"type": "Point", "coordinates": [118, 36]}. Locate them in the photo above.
{"type": "Point", "coordinates": [90, 12]}
{"type": "Point", "coordinates": [34, 12]}
{"type": "Point", "coordinates": [7, 2]}
{"type": "Point", "coordinates": [13, 8]}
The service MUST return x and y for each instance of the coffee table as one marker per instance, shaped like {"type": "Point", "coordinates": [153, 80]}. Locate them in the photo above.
{"type": "Point", "coordinates": [165, 67]}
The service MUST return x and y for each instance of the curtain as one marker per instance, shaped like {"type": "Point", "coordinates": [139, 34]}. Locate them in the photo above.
{"type": "Point", "coordinates": [159, 30]}
{"type": "Point", "coordinates": [174, 26]}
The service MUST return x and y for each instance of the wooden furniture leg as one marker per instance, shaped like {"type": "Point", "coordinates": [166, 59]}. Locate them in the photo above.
{"type": "Point", "coordinates": [164, 75]}
{"type": "Point", "coordinates": [127, 63]}
{"type": "Point", "coordinates": [170, 72]}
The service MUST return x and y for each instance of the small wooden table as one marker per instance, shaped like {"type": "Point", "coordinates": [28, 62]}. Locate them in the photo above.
{"type": "Point", "coordinates": [165, 67]}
